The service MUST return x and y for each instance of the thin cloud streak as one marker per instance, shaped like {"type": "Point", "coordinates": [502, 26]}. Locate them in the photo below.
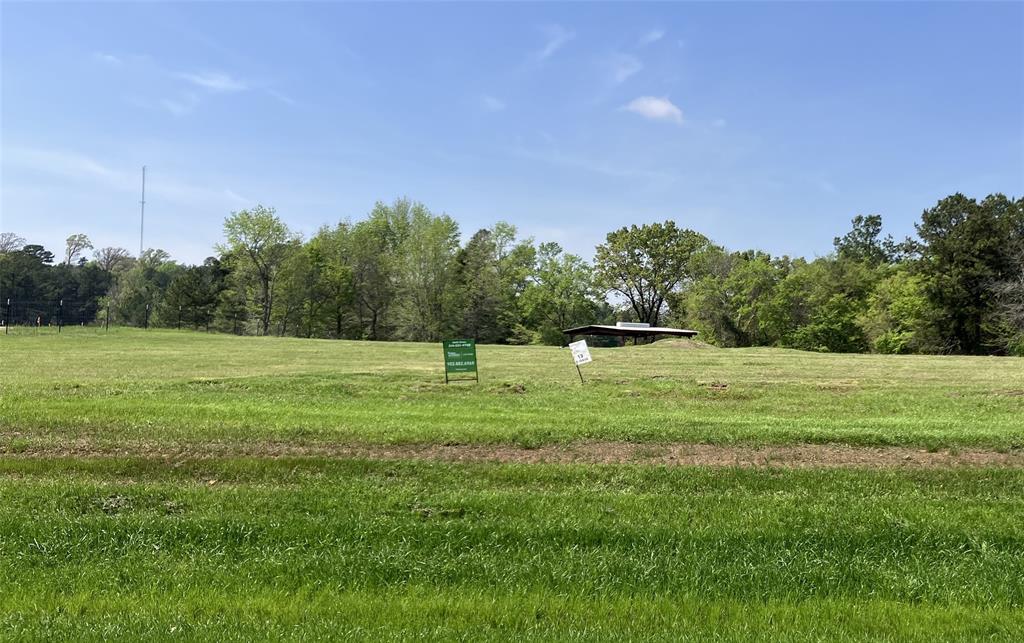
{"type": "Point", "coordinates": [273, 93]}
{"type": "Point", "coordinates": [74, 166]}
{"type": "Point", "coordinates": [557, 36]}
{"type": "Point", "coordinates": [623, 66]}
{"type": "Point", "coordinates": [214, 81]}
{"type": "Point", "coordinates": [109, 59]}
{"type": "Point", "coordinates": [180, 106]}
{"type": "Point", "coordinates": [554, 157]}
{"type": "Point", "coordinates": [211, 82]}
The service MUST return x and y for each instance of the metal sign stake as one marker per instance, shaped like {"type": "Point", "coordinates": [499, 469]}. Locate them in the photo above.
{"type": "Point", "coordinates": [580, 355]}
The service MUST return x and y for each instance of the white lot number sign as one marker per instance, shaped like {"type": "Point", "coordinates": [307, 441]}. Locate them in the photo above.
{"type": "Point", "coordinates": [580, 352]}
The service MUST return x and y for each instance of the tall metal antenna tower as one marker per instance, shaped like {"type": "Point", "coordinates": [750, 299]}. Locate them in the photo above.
{"type": "Point", "coordinates": [142, 213]}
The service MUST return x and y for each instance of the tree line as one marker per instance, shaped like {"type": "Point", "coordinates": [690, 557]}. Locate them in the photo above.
{"type": "Point", "coordinates": [404, 273]}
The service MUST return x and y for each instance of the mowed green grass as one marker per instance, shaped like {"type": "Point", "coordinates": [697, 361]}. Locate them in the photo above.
{"type": "Point", "coordinates": [148, 545]}
{"type": "Point", "coordinates": [242, 549]}
{"type": "Point", "coordinates": [185, 388]}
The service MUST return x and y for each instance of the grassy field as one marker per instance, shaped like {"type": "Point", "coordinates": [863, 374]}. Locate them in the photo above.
{"type": "Point", "coordinates": [126, 511]}
{"type": "Point", "coordinates": [190, 388]}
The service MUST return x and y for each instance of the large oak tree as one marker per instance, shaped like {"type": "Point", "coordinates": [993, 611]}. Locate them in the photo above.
{"type": "Point", "coordinates": [646, 264]}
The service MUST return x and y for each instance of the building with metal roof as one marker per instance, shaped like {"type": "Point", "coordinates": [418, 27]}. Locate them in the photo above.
{"type": "Point", "coordinates": [628, 329]}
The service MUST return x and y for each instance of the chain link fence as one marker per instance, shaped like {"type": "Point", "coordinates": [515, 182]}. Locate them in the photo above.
{"type": "Point", "coordinates": [56, 316]}
{"type": "Point", "coordinates": [52, 315]}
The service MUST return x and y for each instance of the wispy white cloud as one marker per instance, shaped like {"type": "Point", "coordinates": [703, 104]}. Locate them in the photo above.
{"type": "Point", "coordinates": [74, 166]}
{"type": "Point", "coordinates": [180, 106]}
{"type": "Point", "coordinates": [180, 103]}
{"type": "Point", "coordinates": [68, 165]}
{"type": "Point", "coordinates": [654, 108]}
{"type": "Point", "coordinates": [491, 104]}
{"type": "Point", "coordinates": [622, 66]}
{"type": "Point", "coordinates": [236, 197]}
{"type": "Point", "coordinates": [652, 36]}
{"type": "Point", "coordinates": [214, 81]}
{"type": "Point", "coordinates": [556, 36]}
{"type": "Point", "coordinates": [109, 59]}
{"type": "Point", "coordinates": [592, 165]}
{"type": "Point", "coordinates": [224, 83]}
{"type": "Point", "coordinates": [273, 93]}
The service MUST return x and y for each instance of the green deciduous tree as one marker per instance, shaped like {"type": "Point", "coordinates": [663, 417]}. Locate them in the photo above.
{"type": "Point", "coordinates": [193, 295]}
{"type": "Point", "coordinates": [832, 327]}
{"type": "Point", "coordinates": [561, 294]}
{"type": "Point", "coordinates": [515, 259]}
{"type": "Point", "coordinates": [259, 242]}
{"type": "Point", "coordinates": [292, 298]}
{"type": "Point", "coordinates": [967, 248]}
{"type": "Point", "coordinates": [332, 290]}
{"type": "Point", "coordinates": [750, 287]}
{"type": "Point", "coordinates": [425, 265]}
{"type": "Point", "coordinates": [373, 245]}
{"type": "Point", "coordinates": [897, 314]}
{"type": "Point", "coordinates": [476, 300]}
{"type": "Point", "coordinates": [138, 292]}
{"type": "Point", "coordinates": [646, 264]}
{"type": "Point", "coordinates": [864, 242]}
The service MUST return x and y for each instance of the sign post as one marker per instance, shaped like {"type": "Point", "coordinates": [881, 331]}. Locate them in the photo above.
{"type": "Point", "coordinates": [580, 355]}
{"type": "Point", "coordinates": [460, 357]}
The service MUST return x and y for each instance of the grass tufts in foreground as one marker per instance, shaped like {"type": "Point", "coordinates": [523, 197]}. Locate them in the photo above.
{"type": "Point", "coordinates": [299, 548]}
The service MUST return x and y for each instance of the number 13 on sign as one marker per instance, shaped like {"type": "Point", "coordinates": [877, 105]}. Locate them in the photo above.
{"type": "Point", "coordinates": [580, 355]}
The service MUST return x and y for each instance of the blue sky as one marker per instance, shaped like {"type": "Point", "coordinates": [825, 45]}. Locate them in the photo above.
{"type": "Point", "coordinates": [761, 125]}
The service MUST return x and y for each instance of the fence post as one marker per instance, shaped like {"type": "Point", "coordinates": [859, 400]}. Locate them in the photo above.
{"type": "Point", "coordinates": [106, 324]}
{"type": "Point", "coordinates": [60, 316]}
{"type": "Point", "coordinates": [147, 318]}
{"type": "Point", "coordinates": [179, 316]}
{"type": "Point", "coordinates": [7, 317]}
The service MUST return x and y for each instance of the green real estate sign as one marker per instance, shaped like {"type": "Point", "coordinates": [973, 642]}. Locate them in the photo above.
{"type": "Point", "coordinates": [459, 357]}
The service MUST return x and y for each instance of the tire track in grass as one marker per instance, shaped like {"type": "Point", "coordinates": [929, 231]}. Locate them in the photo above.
{"type": "Point", "coordinates": [800, 456]}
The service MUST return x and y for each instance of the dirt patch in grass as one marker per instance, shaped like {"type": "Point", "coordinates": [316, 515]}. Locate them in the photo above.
{"type": "Point", "coordinates": [801, 456]}
{"type": "Point", "coordinates": [796, 456]}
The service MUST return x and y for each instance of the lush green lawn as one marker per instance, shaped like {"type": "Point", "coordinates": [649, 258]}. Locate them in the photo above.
{"type": "Point", "coordinates": [303, 547]}
{"type": "Point", "coordinates": [141, 544]}
{"type": "Point", "coordinates": [191, 388]}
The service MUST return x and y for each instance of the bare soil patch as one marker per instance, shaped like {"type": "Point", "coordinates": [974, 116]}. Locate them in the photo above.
{"type": "Point", "coordinates": [800, 456]}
